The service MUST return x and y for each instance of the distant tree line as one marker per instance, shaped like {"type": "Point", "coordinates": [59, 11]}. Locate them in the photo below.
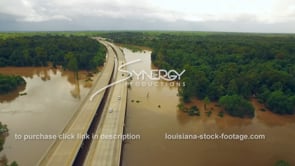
{"type": "Point", "coordinates": [72, 52]}
{"type": "Point", "coordinates": [40, 50]}
{"type": "Point", "coordinates": [226, 67]}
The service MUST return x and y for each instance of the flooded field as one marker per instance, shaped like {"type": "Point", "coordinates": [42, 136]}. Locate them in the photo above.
{"type": "Point", "coordinates": [51, 97]}
{"type": "Point", "coordinates": [152, 112]}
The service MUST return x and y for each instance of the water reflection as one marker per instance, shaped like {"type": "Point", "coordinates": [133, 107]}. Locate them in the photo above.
{"type": "Point", "coordinates": [29, 72]}
{"type": "Point", "coordinates": [76, 91]}
{"type": "Point", "coordinates": [12, 95]}
{"type": "Point", "coordinates": [53, 96]}
{"type": "Point", "coordinates": [45, 74]}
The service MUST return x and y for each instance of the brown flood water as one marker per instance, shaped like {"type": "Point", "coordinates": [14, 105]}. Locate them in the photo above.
{"type": "Point", "coordinates": [52, 98]}
{"type": "Point", "coordinates": [152, 122]}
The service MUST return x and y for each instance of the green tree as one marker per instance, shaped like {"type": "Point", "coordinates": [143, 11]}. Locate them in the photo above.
{"type": "Point", "coordinates": [206, 102]}
{"type": "Point", "coordinates": [186, 93]}
{"type": "Point", "coordinates": [41, 56]}
{"type": "Point", "coordinates": [237, 106]}
{"type": "Point", "coordinates": [72, 62]}
{"type": "Point", "coordinates": [215, 91]}
{"type": "Point", "coordinates": [280, 103]}
{"type": "Point", "coordinates": [10, 83]}
{"type": "Point", "coordinates": [200, 83]}
{"type": "Point", "coordinates": [232, 88]}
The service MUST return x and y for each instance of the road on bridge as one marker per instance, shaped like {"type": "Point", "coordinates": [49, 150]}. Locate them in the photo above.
{"type": "Point", "coordinates": [64, 151]}
{"type": "Point", "coordinates": [107, 151]}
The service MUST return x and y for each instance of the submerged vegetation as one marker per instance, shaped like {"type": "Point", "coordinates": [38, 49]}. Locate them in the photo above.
{"type": "Point", "coordinates": [282, 163]}
{"type": "Point", "coordinates": [10, 83]}
{"type": "Point", "coordinates": [237, 106]}
{"type": "Point", "coordinates": [226, 67]}
{"type": "Point", "coordinates": [3, 134]}
{"type": "Point", "coordinates": [3, 130]}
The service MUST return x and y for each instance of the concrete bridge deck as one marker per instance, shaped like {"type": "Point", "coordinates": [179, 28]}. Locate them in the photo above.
{"type": "Point", "coordinates": [64, 151]}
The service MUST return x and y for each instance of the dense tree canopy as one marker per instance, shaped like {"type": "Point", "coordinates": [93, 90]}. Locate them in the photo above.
{"type": "Point", "coordinates": [39, 50]}
{"type": "Point", "coordinates": [221, 64]}
{"type": "Point", "coordinates": [237, 106]}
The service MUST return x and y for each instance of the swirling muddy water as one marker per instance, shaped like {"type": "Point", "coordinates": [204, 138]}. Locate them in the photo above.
{"type": "Point", "coordinates": [52, 97]}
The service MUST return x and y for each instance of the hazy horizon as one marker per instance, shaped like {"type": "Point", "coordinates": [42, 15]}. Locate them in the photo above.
{"type": "Point", "coordinates": [264, 16]}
